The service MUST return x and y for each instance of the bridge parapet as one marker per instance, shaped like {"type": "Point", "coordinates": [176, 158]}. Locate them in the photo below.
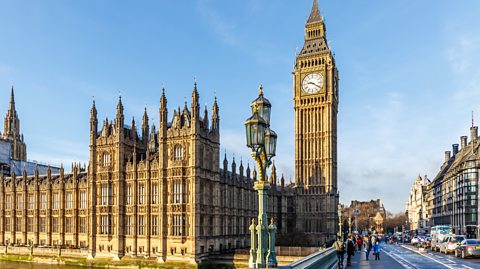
{"type": "Point", "coordinates": [324, 259]}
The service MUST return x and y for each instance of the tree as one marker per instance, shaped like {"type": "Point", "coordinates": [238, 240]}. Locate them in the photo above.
{"type": "Point", "coordinates": [393, 221]}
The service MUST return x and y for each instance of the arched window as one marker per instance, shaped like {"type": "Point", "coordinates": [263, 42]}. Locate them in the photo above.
{"type": "Point", "coordinates": [178, 152]}
{"type": "Point", "coordinates": [106, 159]}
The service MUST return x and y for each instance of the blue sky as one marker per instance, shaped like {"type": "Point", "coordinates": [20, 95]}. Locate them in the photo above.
{"type": "Point", "coordinates": [410, 75]}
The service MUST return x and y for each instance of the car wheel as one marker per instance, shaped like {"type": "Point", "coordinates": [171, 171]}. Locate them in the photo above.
{"type": "Point", "coordinates": [463, 254]}
{"type": "Point", "coordinates": [456, 253]}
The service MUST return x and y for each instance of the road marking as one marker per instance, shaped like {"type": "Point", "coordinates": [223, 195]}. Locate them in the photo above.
{"type": "Point", "coordinates": [402, 261]}
{"type": "Point", "coordinates": [446, 265]}
{"type": "Point", "coordinates": [467, 266]}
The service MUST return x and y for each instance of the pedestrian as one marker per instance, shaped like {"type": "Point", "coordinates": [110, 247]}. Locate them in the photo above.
{"type": "Point", "coordinates": [340, 248]}
{"type": "Point", "coordinates": [367, 245]}
{"type": "Point", "coordinates": [359, 243]}
{"type": "Point", "coordinates": [350, 250]}
{"type": "Point", "coordinates": [376, 250]}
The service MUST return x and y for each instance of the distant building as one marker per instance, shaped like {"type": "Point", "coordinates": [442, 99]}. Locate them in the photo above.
{"type": "Point", "coordinates": [366, 216]}
{"type": "Point", "coordinates": [13, 150]}
{"type": "Point", "coordinates": [453, 194]}
{"type": "Point", "coordinates": [416, 209]}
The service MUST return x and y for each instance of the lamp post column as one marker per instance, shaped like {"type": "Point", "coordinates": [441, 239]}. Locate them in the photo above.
{"type": "Point", "coordinates": [262, 188]}
{"type": "Point", "coordinates": [253, 245]}
{"type": "Point", "coordinates": [340, 232]}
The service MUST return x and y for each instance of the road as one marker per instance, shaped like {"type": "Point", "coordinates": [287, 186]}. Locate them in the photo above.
{"type": "Point", "coordinates": [430, 259]}
{"type": "Point", "coordinates": [409, 257]}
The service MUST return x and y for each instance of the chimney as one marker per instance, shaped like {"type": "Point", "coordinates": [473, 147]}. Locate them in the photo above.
{"type": "Point", "coordinates": [447, 156]}
{"type": "Point", "coordinates": [473, 133]}
{"type": "Point", "coordinates": [463, 141]}
{"type": "Point", "coordinates": [454, 149]}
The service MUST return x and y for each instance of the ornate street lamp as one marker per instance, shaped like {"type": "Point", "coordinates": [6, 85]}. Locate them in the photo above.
{"type": "Point", "coordinates": [263, 143]}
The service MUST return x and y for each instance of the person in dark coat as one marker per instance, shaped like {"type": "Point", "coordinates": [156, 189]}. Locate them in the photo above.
{"type": "Point", "coordinates": [367, 246]}
{"type": "Point", "coordinates": [350, 250]}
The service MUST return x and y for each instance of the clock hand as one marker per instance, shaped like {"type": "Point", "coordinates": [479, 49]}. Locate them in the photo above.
{"type": "Point", "coordinates": [314, 84]}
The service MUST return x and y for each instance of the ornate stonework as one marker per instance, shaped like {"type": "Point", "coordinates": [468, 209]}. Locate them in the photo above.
{"type": "Point", "coordinates": [11, 132]}
{"type": "Point", "coordinates": [316, 106]}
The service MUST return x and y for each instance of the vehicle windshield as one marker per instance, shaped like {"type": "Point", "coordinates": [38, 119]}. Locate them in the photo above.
{"type": "Point", "coordinates": [473, 242]}
{"type": "Point", "coordinates": [444, 230]}
{"type": "Point", "coordinates": [458, 239]}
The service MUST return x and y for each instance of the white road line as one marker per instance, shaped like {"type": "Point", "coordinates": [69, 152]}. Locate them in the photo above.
{"type": "Point", "coordinates": [400, 260]}
{"type": "Point", "coordinates": [467, 266]}
{"type": "Point", "coordinates": [446, 265]}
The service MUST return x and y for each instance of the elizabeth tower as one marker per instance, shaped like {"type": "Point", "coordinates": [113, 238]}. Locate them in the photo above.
{"type": "Point", "coordinates": [316, 105]}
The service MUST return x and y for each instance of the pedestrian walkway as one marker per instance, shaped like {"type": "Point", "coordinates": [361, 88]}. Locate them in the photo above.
{"type": "Point", "coordinates": [385, 262]}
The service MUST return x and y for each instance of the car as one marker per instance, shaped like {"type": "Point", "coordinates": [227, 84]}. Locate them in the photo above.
{"type": "Point", "coordinates": [426, 242]}
{"type": "Point", "coordinates": [414, 240]}
{"type": "Point", "coordinates": [450, 243]}
{"type": "Point", "coordinates": [468, 248]}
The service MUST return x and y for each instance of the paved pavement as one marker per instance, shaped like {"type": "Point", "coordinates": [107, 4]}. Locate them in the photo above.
{"type": "Point", "coordinates": [386, 261]}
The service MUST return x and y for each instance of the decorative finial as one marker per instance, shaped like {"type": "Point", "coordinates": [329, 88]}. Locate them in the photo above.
{"type": "Point", "coordinates": [255, 108]}
{"type": "Point", "coordinates": [260, 90]}
{"type": "Point", "coordinates": [195, 80]}
{"type": "Point", "coordinates": [163, 85]}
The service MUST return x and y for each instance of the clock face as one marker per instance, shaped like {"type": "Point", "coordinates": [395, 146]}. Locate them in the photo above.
{"type": "Point", "coordinates": [312, 83]}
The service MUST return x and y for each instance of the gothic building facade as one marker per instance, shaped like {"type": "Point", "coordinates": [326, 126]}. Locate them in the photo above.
{"type": "Point", "coordinates": [160, 191]}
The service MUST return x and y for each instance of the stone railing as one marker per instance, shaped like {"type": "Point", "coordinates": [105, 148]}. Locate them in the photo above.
{"type": "Point", "coordinates": [325, 259]}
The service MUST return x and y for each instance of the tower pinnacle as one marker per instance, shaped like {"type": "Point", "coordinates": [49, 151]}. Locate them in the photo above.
{"type": "Point", "coordinates": [315, 14]}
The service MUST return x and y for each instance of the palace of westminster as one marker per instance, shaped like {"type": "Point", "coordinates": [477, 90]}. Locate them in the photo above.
{"type": "Point", "coordinates": [162, 191]}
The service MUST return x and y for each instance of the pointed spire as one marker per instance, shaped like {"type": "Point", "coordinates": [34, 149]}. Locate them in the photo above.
{"type": "Point", "coordinates": [273, 176]}
{"type": "Point", "coordinates": [93, 111]}
{"type": "Point", "coordinates": [134, 130]}
{"type": "Point", "coordinates": [315, 14]}
{"type": "Point", "coordinates": [119, 106]}
{"type": "Point", "coordinates": [12, 100]}
{"type": "Point", "coordinates": [248, 170]}
{"type": "Point", "coordinates": [234, 166]}
{"type": "Point", "coordinates": [163, 99]}
{"type": "Point", "coordinates": [241, 168]}
{"type": "Point", "coordinates": [282, 181]}
{"type": "Point", "coordinates": [215, 116]}
{"type": "Point", "coordinates": [145, 127]}
{"type": "Point", "coordinates": [205, 118]}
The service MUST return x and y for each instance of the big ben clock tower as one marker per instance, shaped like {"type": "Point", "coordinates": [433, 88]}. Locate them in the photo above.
{"type": "Point", "coordinates": [316, 105]}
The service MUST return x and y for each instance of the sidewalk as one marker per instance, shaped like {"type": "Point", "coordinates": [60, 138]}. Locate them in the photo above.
{"type": "Point", "coordinates": [359, 261]}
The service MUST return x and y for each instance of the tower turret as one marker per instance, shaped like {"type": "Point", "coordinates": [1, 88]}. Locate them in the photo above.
{"type": "Point", "coordinates": [133, 133]}
{"type": "Point", "coordinates": [145, 127]}
{"type": "Point", "coordinates": [215, 116]}
{"type": "Point", "coordinates": [195, 102]}
{"type": "Point", "coordinates": [163, 111]}
{"type": "Point", "coordinates": [93, 124]}
{"type": "Point", "coordinates": [119, 116]}
{"type": "Point", "coordinates": [225, 165]}
{"type": "Point", "coordinates": [11, 131]}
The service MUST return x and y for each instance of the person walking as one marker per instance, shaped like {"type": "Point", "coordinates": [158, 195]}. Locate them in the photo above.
{"type": "Point", "coordinates": [359, 243]}
{"type": "Point", "coordinates": [367, 245]}
{"type": "Point", "coordinates": [376, 250]}
{"type": "Point", "coordinates": [340, 248]}
{"type": "Point", "coordinates": [350, 250]}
